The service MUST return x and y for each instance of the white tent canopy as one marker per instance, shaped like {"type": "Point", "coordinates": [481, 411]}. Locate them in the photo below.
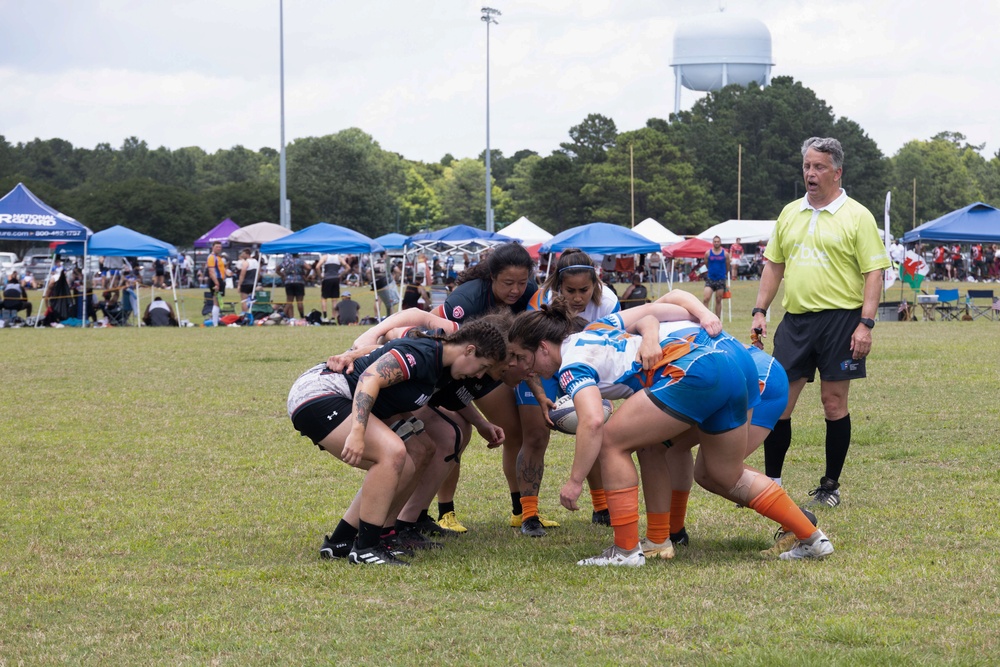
{"type": "Point", "coordinates": [748, 231]}
{"type": "Point", "coordinates": [528, 232]}
{"type": "Point", "coordinates": [656, 232]}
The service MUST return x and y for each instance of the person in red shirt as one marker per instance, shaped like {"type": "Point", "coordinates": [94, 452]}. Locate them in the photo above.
{"type": "Point", "coordinates": [735, 254]}
{"type": "Point", "coordinates": [939, 266]}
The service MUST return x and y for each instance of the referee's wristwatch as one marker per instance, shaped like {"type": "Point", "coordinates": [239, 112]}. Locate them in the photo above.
{"type": "Point", "coordinates": [868, 322]}
{"type": "Point", "coordinates": [762, 311]}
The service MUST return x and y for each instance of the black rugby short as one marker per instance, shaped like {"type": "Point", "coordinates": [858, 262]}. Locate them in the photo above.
{"type": "Point", "coordinates": [822, 340]}
{"type": "Point", "coordinates": [318, 419]}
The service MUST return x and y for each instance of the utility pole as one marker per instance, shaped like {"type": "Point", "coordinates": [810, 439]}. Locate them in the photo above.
{"type": "Point", "coordinates": [489, 16]}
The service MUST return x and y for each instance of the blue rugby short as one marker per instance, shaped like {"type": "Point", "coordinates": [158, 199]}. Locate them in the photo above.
{"type": "Point", "coordinates": [706, 388]}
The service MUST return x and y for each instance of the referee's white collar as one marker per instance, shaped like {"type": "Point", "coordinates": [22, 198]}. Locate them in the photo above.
{"type": "Point", "coordinates": [832, 207]}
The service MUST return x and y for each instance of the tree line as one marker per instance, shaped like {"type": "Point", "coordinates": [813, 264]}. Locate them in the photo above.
{"type": "Point", "coordinates": [684, 171]}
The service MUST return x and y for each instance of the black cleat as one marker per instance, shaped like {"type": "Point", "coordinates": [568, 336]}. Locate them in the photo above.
{"type": "Point", "coordinates": [680, 538]}
{"type": "Point", "coordinates": [601, 517]}
{"type": "Point", "coordinates": [331, 550]}
{"type": "Point", "coordinates": [532, 527]}
{"type": "Point", "coordinates": [430, 528]}
{"type": "Point", "coordinates": [376, 555]}
{"type": "Point", "coordinates": [411, 538]}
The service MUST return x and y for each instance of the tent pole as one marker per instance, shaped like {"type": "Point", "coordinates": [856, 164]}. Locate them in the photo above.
{"type": "Point", "coordinates": [83, 272]}
{"type": "Point", "coordinates": [173, 288]}
{"type": "Point", "coordinates": [371, 267]}
{"type": "Point", "coordinates": [45, 290]}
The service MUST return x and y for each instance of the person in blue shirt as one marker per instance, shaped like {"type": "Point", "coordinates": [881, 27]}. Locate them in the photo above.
{"type": "Point", "coordinates": [717, 261]}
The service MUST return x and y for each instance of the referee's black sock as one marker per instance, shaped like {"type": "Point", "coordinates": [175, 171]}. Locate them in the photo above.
{"type": "Point", "coordinates": [515, 503]}
{"type": "Point", "coordinates": [776, 445]}
{"type": "Point", "coordinates": [838, 441]}
{"type": "Point", "coordinates": [444, 508]}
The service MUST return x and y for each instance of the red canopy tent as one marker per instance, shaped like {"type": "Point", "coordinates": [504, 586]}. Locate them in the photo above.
{"type": "Point", "coordinates": [693, 248]}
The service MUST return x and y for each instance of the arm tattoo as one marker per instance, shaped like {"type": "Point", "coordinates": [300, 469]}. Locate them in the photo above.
{"type": "Point", "coordinates": [364, 403]}
{"type": "Point", "coordinates": [388, 370]}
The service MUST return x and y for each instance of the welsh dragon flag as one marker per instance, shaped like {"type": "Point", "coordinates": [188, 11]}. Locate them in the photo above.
{"type": "Point", "coordinates": [914, 269]}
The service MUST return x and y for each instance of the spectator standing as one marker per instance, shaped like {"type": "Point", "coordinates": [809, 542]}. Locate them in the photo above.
{"type": "Point", "coordinates": [215, 269]}
{"type": "Point", "coordinates": [897, 252]}
{"type": "Point", "coordinates": [416, 292]}
{"type": "Point", "coordinates": [717, 261]}
{"type": "Point", "coordinates": [346, 309]}
{"type": "Point", "coordinates": [735, 255]}
{"type": "Point", "coordinates": [249, 266]}
{"type": "Point", "coordinates": [827, 248]}
{"type": "Point", "coordinates": [293, 274]}
{"type": "Point", "coordinates": [327, 269]}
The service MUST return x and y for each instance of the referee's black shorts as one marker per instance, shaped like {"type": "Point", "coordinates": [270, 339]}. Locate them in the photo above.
{"type": "Point", "coordinates": [822, 340]}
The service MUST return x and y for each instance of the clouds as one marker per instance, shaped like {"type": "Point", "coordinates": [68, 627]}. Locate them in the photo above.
{"type": "Point", "coordinates": [413, 74]}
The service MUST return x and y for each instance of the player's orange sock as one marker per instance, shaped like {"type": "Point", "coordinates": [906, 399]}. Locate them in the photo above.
{"type": "Point", "coordinates": [529, 507]}
{"type": "Point", "coordinates": [599, 499]}
{"type": "Point", "coordinates": [678, 509]}
{"type": "Point", "coordinates": [623, 505]}
{"type": "Point", "coordinates": [658, 527]}
{"type": "Point", "coordinates": [775, 504]}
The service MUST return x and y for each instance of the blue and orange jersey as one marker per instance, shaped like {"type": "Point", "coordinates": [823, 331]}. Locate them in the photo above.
{"type": "Point", "coordinates": [606, 358]}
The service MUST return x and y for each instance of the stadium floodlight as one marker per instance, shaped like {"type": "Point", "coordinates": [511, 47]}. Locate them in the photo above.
{"type": "Point", "coordinates": [488, 17]}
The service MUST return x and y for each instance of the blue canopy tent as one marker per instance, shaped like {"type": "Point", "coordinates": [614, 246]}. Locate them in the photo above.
{"type": "Point", "coordinates": [324, 237]}
{"type": "Point", "coordinates": [392, 241]}
{"type": "Point", "coordinates": [976, 222]}
{"type": "Point", "coordinates": [121, 241]}
{"type": "Point", "coordinates": [601, 238]}
{"type": "Point", "coordinates": [457, 238]}
{"type": "Point", "coordinates": [25, 217]}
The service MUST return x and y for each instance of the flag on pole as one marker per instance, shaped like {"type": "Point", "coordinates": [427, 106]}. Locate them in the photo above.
{"type": "Point", "coordinates": [914, 269]}
{"type": "Point", "coordinates": [889, 275]}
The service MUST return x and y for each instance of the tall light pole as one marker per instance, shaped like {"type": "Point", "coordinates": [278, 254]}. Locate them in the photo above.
{"type": "Point", "coordinates": [489, 16]}
{"type": "Point", "coordinates": [285, 218]}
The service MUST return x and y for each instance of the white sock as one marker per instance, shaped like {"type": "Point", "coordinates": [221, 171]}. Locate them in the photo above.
{"type": "Point", "coordinates": [215, 316]}
{"type": "Point", "coordinates": [776, 480]}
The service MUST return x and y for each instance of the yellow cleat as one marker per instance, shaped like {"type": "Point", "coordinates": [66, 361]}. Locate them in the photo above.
{"type": "Point", "coordinates": [450, 522]}
{"type": "Point", "coordinates": [515, 521]}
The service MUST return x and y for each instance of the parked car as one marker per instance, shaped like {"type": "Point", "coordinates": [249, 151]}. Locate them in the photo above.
{"type": "Point", "coordinates": [7, 262]}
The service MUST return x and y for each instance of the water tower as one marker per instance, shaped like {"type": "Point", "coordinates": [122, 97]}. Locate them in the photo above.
{"type": "Point", "coordinates": [716, 50]}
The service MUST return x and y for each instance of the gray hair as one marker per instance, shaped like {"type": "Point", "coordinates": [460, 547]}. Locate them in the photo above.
{"type": "Point", "coordinates": [827, 145]}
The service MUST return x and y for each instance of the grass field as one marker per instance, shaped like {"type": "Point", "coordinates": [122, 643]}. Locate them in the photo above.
{"type": "Point", "coordinates": [158, 508]}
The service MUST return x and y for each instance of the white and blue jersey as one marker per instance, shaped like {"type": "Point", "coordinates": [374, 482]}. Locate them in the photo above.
{"type": "Point", "coordinates": [592, 312]}
{"type": "Point", "coordinates": [695, 384]}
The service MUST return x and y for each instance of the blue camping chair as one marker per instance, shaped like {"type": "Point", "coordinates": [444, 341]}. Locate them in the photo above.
{"type": "Point", "coordinates": [948, 304]}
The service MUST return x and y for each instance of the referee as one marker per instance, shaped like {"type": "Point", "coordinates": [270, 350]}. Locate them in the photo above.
{"type": "Point", "coordinates": [827, 248]}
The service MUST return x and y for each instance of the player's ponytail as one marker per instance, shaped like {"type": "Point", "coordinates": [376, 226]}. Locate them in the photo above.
{"type": "Point", "coordinates": [552, 322]}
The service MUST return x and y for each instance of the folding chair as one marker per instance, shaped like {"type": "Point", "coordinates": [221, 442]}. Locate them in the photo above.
{"type": "Point", "coordinates": [261, 305]}
{"type": "Point", "coordinates": [980, 303]}
{"type": "Point", "coordinates": [948, 304]}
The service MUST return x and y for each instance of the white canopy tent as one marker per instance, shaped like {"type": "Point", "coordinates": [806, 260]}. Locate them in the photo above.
{"type": "Point", "coordinates": [656, 232]}
{"type": "Point", "coordinates": [748, 231]}
{"type": "Point", "coordinates": [525, 231]}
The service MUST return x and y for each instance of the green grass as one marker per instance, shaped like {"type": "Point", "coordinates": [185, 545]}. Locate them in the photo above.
{"type": "Point", "coordinates": [158, 508]}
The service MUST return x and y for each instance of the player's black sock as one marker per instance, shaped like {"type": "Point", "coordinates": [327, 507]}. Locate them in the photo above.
{"type": "Point", "coordinates": [776, 446]}
{"type": "Point", "coordinates": [444, 508]}
{"type": "Point", "coordinates": [400, 525]}
{"type": "Point", "coordinates": [344, 532]}
{"type": "Point", "coordinates": [515, 502]}
{"type": "Point", "coordinates": [838, 441]}
{"type": "Point", "coordinates": [369, 535]}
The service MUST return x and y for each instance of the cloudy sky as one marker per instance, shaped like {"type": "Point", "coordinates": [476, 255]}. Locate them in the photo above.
{"type": "Point", "coordinates": [412, 73]}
